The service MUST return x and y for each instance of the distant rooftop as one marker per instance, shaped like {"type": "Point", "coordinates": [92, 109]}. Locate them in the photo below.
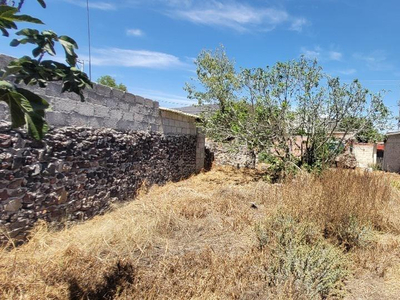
{"type": "Point", "coordinates": [197, 110]}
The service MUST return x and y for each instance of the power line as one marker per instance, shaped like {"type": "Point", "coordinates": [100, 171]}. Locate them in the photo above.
{"type": "Point", "coordinates": [177, 103]}
{"type": "Point", "coordinates": [88, 25]}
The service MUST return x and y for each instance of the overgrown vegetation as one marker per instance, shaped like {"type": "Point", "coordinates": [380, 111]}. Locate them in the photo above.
{"type": "Point", "coordinates": [224, 234]}
{"type": "Point", "coordinates": [107, 80]}
{"type": "Point", "coordinates": [26, 107]}
{"type": "Point", "coordinates": [290, 110]}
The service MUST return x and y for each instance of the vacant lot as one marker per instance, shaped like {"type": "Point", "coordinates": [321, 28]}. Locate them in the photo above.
{"type": "Point", "coordinates": [225, 234]}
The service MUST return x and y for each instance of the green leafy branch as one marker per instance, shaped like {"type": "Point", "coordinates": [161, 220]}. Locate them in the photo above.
{"type": "Point", "coordinates": [27, 108]}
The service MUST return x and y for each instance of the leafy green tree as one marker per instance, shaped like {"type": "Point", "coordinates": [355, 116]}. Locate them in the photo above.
{"type": "Point", "coordinates": [366, 131]}
{"type": "Point", "coordinates": [27, 108]}
{"type": "Point", "coordinates": [290, 110]}
{"type": "Point", "coordinates": [109, 81]}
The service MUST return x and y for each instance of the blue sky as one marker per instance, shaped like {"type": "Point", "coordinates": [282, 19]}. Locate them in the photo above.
{"type": "Point", "coordinates": [150, 45]}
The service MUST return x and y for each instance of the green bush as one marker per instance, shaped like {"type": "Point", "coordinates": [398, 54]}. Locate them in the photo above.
{"type": "Point", "coordinates": [302, 258]}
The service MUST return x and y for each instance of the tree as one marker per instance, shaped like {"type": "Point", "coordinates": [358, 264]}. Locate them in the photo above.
{"type": "Point", "coordinates": [109, 81]}
{"type": "Point", "coordinates": [290, 110]}
{"type": "Point", "coordinates": [366, 132]}
{"type": "Point", "coordinates": [27, 108]}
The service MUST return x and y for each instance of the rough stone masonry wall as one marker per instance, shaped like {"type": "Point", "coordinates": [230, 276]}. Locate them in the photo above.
{"type": "Point", "coordinates": [98, 151]}
{"type": "Point", "coordinates": [223, 155]}
{"type": "Point", "coordinates": [77, 172]}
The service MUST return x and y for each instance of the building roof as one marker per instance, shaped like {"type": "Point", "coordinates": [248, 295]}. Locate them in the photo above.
{"type": "Point", "coordinates": [197, 109]}
{"type": "Point", "coordinates": [393, 133]}
{"type": "Point", "coordinates": [179, 112]}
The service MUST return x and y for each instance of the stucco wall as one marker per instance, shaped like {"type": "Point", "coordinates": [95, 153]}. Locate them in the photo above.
{"type": "Point", "coordinates": [365, 154]}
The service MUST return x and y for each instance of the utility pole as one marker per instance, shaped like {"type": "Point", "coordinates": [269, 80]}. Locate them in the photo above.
{"type": "Point", "coordinates": [88, 25]}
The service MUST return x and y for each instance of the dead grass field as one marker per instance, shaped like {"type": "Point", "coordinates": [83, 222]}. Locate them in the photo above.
{"type": "Point", "coordinates": [224, 234]}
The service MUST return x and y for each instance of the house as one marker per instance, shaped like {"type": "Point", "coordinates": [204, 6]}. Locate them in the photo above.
{"type": "Point", "coordinates": [391, 159]}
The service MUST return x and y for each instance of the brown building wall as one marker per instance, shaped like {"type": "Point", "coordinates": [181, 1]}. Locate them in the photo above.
{"type": "Point", "coordinates": [391, 158]}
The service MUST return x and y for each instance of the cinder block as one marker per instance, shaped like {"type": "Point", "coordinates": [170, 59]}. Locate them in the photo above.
{"type": "Point", "coordinates": [102, 90]}
{"type": "Point", "coordinates": [128, 116]}
{"type": "Point", "coordinates": [78, 120]}
{"type": "Point", "coordinates": [95, 122]}
{"type": "Point", "coordinates": [130, 98]}
{"type": "Point", "coordinates": [139, 117]}
{"type": "Point", "coordinates": [148, 103]}
{"type": "Point", "coordinates": [110, 123]}
{"type": "Point", "coordinates": [124, 106]}
{"type": "Point", "coordinates": [126, 125]}
{"type": "Point", "coordinates": [53, 89]}
{"type": "Point", "coordinates": [92, 97]}
{"type": "Point", "coordinates": [116, 114]}
{"type": "Point", "coordinates": [101, 111]}
{"type": "Point", "coordinates": [85, 109]}
{"type": "Point", "coordinates": [64, 105]}
{"type": "Point", "coordinates": [139, 100]}
{"type": "Point", "coordinates": [112, 103]}
{"type": "Point", "coordinates": [57, 118]}
{"type": "Point", "coordinates": [116, 93]}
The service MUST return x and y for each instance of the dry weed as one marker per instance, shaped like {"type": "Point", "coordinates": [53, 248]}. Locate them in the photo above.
{"type": "Point", "coordinates": [195, 239]}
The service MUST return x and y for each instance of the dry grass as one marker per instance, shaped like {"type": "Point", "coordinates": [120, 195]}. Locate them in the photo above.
{"type": "Point", "coordinates": [196, 239]}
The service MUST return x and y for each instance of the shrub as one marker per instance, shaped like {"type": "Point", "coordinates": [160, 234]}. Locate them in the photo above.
{"type": "Point", "coordinates": [350, 233]}
{"type": "Point", "coordinates": [338, 197]}
{"type": "Point", "coordinates": [301, 258]}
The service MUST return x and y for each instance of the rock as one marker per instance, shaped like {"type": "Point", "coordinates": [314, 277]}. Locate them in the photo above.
{"type": "Point", "coordinates": [13, 205]}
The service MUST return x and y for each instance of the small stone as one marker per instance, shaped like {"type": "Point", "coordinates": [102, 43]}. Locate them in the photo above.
{"type": "Point", "coordinates": [16, 183]}
{"type": "Point", "coordinates": [13, 205]}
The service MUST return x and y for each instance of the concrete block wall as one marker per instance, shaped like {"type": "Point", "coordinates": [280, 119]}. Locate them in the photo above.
{"type": "Point", "coordinates": [106, 107]}
{"type": "Point", "coordinates": [176, 122]}
{"type": "Point", "coordinates": [200, 151]}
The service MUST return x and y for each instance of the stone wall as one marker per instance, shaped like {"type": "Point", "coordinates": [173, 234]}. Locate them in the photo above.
{"type": "Point", "coordinates": [77, 172]}
{"type": "Point", "coordinates": [224, 155]}
{"type": "Point", "coordinates": [97, 152]}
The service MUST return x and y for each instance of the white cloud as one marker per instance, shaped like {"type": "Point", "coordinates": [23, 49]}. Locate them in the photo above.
{"type": "Point", "coordinates": [166, 99]}
{"type": "Point", "coordinates": [334, 55]}
{"type": "Point", "coordinates": [298, 24]}
{"type": "Point", "coordinates": [321, 54]}
{"type": "Point", "coordinates": [133, 58]}
{"type": "Point", "coordinates": [347, 71]}
{"type": "Point", "coordinates": [311, 53]}
{"type": "Point", "coordinates": [238, 16]}
{"type": "Point", "coordinates": [375, 61]}
{"type": "Point", "coordinates": [101, 5]}
{"type": "Point", "coordinates": [134, 32]}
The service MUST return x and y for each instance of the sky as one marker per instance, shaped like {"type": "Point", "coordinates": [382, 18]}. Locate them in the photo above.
{"type": "Point", "coordinates": [150, 45]}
